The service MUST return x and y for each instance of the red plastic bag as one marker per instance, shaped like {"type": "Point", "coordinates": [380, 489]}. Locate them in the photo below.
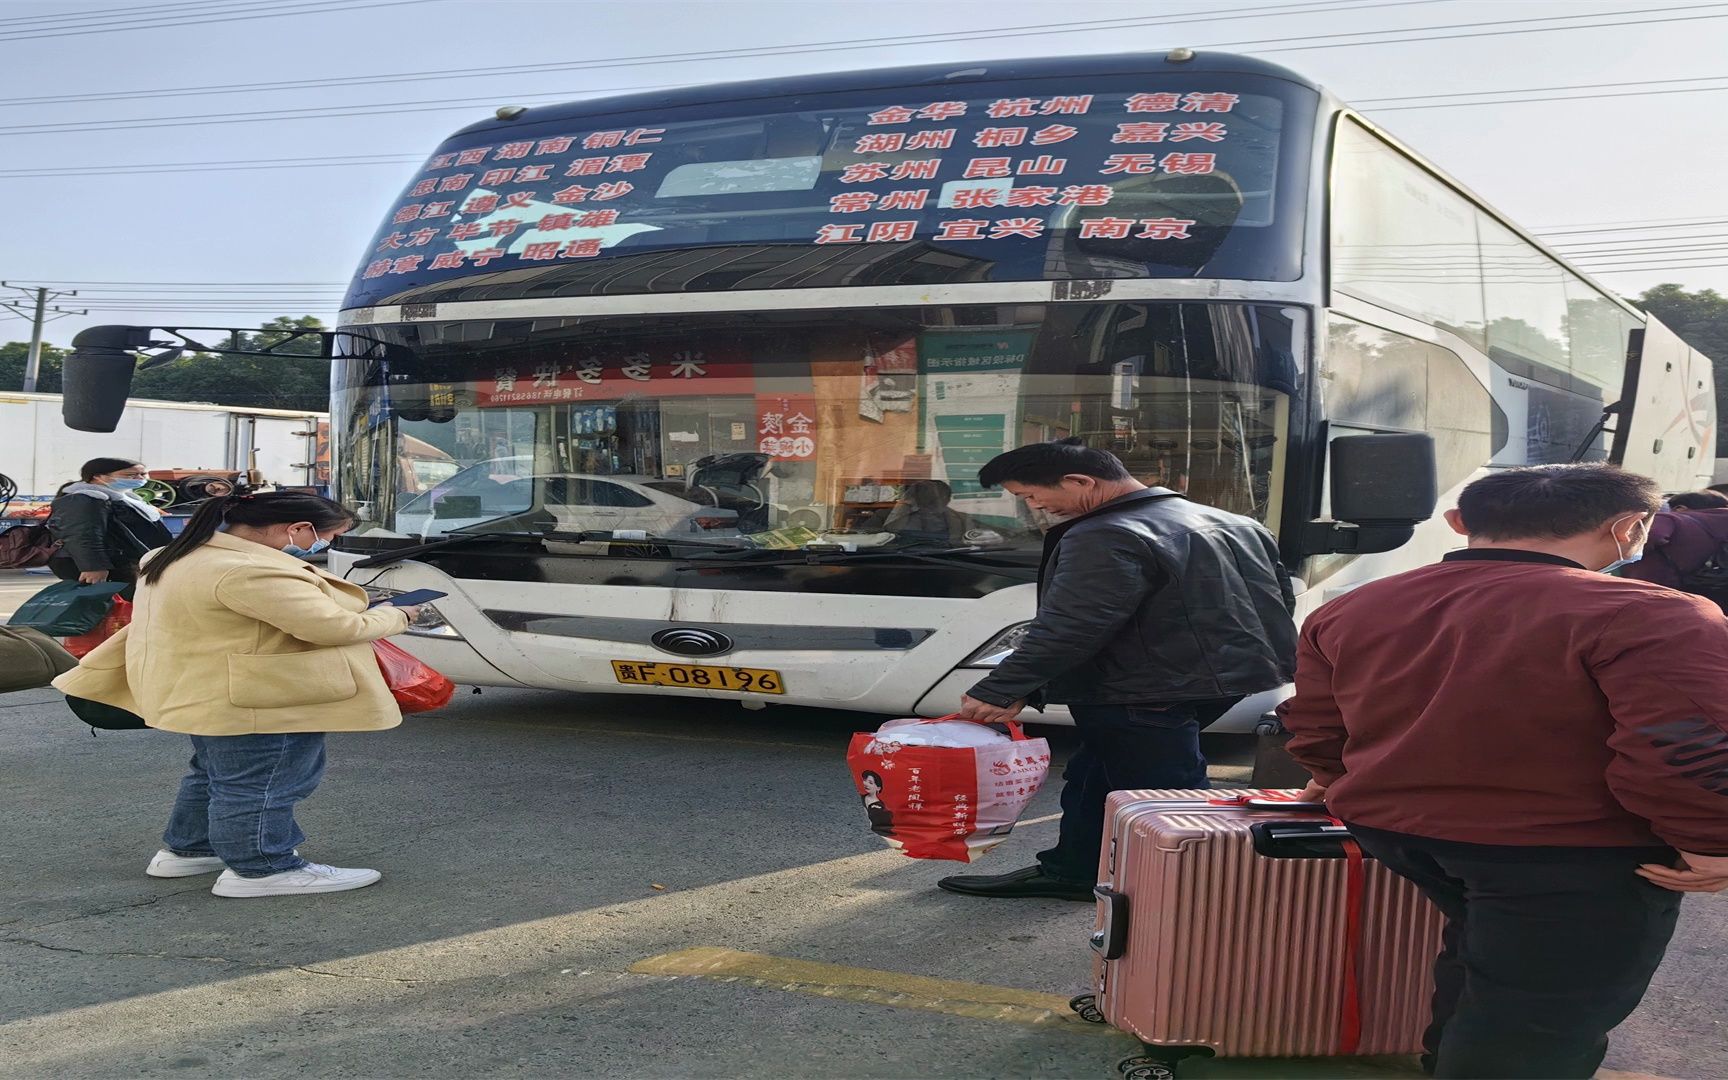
{"type": "Point", "coordinates": [415, 686]}
{"type": "Point", "coordinates": [119, 615]}
{"type": "Point", "coordinates": [948, 788]}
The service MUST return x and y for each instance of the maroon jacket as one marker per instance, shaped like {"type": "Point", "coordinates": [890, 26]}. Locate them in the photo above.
{"type": "Point", "coordinates": [1516, 698]}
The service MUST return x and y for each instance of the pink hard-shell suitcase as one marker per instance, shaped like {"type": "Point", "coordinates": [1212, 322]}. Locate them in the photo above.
{"type": "Point", "coordinates": [1231, 925]}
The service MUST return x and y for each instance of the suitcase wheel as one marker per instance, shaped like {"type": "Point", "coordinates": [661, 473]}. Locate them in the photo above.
{"type": "Point", "coordinates": [1086, 1007]}
{"type": "Point", "coordinates": [1145, 1067]}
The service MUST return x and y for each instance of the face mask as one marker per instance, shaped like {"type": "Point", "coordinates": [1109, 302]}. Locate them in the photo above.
{"type": "Point", "coordinates": [1625, 560]}
{"type": "Point", "coordinates": [318, 544]}
{"type": "Point", "coordinates": [127, 484]}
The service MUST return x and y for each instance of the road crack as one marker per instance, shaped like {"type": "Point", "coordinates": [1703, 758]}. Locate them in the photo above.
{"type": "Point", "coordinates": [121, 954]}
{"type": "Point", "coordinates": [111, 910]}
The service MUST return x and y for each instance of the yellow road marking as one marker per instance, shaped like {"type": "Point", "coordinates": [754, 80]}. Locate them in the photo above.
{"type": "Point", "coordinates": [955, 998]}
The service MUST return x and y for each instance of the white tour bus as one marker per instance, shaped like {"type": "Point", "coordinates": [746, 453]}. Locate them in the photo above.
{"type": "Point", "coordinates": [720, 365]}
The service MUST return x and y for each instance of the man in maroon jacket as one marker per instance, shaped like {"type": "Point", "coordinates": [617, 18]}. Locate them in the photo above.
{"type": "Point", "coordinates": [1541, 747]}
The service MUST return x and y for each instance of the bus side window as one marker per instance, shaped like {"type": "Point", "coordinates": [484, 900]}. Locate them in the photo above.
{"type": "Point", "coordinates": [1375, 380]}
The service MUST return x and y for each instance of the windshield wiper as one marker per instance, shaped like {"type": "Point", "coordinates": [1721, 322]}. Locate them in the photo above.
{"type": "Point", "coordinates": [817, 555]}
{"type": "Point", "coordinates": [640, 536]}
{"type": "Point", "coordinates": [447, 540]}
{"type": "Point", "coordinates": [451, 539]}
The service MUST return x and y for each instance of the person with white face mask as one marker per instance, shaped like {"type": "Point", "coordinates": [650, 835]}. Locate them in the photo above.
{"type": "Point", "coordinates": [239, 643]}
{"type": "Point", "coordinates": [102, 526]}
{"type": "Point", "coordinates": [1539, 745]}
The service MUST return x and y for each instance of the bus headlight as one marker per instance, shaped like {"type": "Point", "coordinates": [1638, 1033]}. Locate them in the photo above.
{"type": "Point", "coordinates": [428, 624]}
{"type": "Point", "coordinates": [999, 648]}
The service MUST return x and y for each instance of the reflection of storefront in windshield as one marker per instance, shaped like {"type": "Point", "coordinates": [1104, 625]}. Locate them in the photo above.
{"type": "Point", "coordinates": [828, 429]}
{"type": "Point", "coordinates": [633, 415]}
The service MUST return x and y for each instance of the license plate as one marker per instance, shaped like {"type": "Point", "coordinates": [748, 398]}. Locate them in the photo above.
{"type": "Point", "coordinates": [699, 677]}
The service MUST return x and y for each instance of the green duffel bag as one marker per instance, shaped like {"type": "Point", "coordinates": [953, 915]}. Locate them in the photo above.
{"type": "Point", "coordinates": [68, 608]}
{"type": "Point", "coordinates": [98, 715]}
{"type": "Point", "coordinates": [30, 659]}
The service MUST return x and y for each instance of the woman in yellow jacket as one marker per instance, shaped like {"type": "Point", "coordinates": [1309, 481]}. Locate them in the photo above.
{"type": "Point", "coordinates": [238, 642]}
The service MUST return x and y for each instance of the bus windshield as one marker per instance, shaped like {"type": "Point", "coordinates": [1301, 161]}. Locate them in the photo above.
{"type": "Point", "coordinates": [861, 428]}
{"type": "Point", "coordinates": [1097, 176]}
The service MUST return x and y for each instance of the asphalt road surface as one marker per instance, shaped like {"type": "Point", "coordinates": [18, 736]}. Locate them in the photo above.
{"type": "Point", "coordinates": [577, 886]}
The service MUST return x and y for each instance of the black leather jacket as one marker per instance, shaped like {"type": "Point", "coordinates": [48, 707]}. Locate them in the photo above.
{"type": "Point", "coordinates": [97, 533]}
{"type": "Point", "coordinates": [1152, 598]}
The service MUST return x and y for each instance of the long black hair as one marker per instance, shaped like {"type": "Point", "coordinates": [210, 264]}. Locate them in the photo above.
{"type": "Point", "coordinates": [260, 510]}
{"type": "Point", "coordinates": [102, 466]}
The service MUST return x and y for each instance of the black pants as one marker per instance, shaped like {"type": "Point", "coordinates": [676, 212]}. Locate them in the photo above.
{"type": "Point", "coordinates": [1542, 956]}
{"type": "Point", "coordinates": [1124, 746]}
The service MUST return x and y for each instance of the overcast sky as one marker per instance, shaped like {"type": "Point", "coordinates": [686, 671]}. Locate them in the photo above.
{"type": "Point", "coordinates": [1549, 165]}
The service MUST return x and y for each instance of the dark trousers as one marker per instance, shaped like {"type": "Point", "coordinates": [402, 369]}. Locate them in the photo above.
{"type": "Point", "coordinates": [1542, 957]}
{"type": "Point", "coordinates": [1124, 746]}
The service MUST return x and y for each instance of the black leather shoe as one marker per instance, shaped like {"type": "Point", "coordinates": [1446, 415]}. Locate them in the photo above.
{"type": "Point", "coordinates": [1030, 882]}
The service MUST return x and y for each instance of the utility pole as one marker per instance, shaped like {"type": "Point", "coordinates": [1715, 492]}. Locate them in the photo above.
{"type": "Point", "coordinates": [38, 317]}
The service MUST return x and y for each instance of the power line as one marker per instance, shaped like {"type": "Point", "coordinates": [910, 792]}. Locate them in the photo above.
{"type": "Point", "coordinates": [1534, 89]}
{"type": "Point", "coordinates": [38, 297]}
{"type": "Point", "coordinates": [87, 15]}
{"type": "Point", "coordinates": [70, 281]}
{"type": "Point", "coordinates": [424, 105]}
{"type": "Point", "coordinates": [789, 49]}
{"type": "Point", "coordinates": [306, 112]}
{"type": "Point", "coordinates": [171, 167]}
{"type": "Point", "coordinates": [336, 112]}
{"type": "Point", "coordinates": [1614, 225]}
{"type": "Point", "coordinates": [1621, 247]}
{"type": "Point", "coordinates": [152, 288]}
{"type": "Point", "coordinates": [1562, 97]}
{"type": "Point", "coordinates": [1504, 33]}
{"type": "Point", "coordinates": [1660, 269]}
{"type": "Point", "coordinates": [318, 7]}
{"type": "Point", "coordinates": [1613, 241]}
{"type": "Point", "coordinates": [1636, 227]}
{"type": "Point", "coordinates": [1657, 260]}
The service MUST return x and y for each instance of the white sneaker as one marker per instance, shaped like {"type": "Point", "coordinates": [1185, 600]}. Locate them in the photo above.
{"type": "Point", "coordinates": [311, 878]}
{"type": "Point", "coordinates": [167, 864]}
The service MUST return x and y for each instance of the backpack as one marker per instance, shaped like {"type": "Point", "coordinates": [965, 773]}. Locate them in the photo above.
{"type": "Point", "coordinates": [99, 715]}
{"type": "Point", "coordinates": [25, 546]}
{"type": "Point", "coordinates": [1710, 579]}
{"type": "Point", "coordinates": [29, 659]}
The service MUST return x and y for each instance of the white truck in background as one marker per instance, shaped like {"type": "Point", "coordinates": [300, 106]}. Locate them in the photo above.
{"type": "Point", "coordinates": [185, 442]}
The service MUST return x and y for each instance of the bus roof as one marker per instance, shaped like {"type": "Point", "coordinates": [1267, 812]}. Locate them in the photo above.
{"type": "Point", "coordinates": [954, 73]}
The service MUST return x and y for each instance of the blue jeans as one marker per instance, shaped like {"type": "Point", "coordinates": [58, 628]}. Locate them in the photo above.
{"type": "Point", "coordinates": [1121, 747]}
{"type": "Point", "coordinates": [237, 802]}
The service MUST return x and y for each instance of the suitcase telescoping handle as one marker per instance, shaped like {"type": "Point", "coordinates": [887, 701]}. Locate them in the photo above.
{"type": "Point", "coordinates": [1110, 940]}
{"type": "Point", "coordinates": [1284, 806]}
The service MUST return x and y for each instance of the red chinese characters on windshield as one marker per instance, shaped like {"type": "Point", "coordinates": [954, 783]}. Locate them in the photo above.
{"type": "Point", "coordinates": [1006, 176]}
{"type": "Point", "coordinates": [607, 377]}
{"type": "Point", "coordinates": [942, 171]}
{"type": "Point", "coordinates": [786, 426]}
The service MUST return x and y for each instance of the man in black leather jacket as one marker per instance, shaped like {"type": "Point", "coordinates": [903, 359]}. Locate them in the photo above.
{"type": "Point", "coordinates": [1156, 615]}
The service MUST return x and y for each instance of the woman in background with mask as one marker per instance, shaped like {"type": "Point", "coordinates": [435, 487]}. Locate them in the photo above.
{"type": "Point", "coordinates": [103, 528]}
{"type": "Point", "coordinates": [238, 642]}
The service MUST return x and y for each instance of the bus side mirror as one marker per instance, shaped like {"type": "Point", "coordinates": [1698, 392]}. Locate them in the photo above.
{"type": "Point", "coordinates": [96, 377]}
{"type": "Point", "coordinates": [1382, 486]}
